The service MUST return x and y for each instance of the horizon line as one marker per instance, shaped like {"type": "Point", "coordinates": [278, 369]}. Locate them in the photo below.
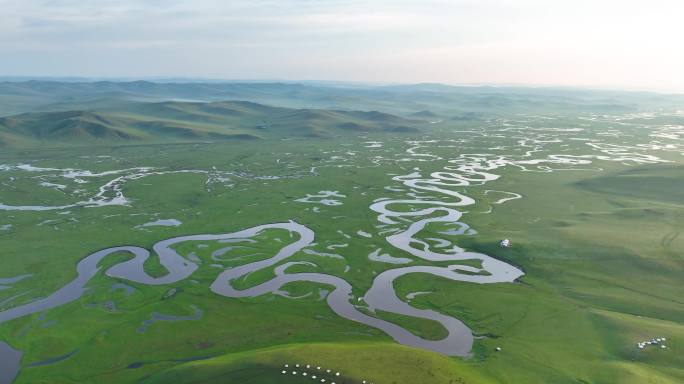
{"type": "Point", "coordinates": [358, 83]}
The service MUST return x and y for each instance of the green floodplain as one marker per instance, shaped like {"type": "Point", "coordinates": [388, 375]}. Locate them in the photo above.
{"type": "Point", "coordinates": [590, 195]}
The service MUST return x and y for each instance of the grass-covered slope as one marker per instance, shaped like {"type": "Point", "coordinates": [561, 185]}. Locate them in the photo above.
{"type": "Point", "coordinates": [191, 121]}
{"type": "Point", "coordinates": [373, 362]}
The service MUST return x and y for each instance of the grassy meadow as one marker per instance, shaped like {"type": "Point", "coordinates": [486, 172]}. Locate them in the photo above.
{"type": "Point", "coordinates": [601, 246]}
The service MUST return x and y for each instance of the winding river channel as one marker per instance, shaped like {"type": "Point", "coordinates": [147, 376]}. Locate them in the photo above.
{"type": "Point", "coordinates": [380, 296]}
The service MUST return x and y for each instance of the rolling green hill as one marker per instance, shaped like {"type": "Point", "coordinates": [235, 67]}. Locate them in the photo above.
{"type": "Point", "coordinates": [192, 121]}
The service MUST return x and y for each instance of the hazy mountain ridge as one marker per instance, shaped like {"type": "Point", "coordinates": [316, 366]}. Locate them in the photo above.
{"type": "Point", "coordinates": [42, 95]}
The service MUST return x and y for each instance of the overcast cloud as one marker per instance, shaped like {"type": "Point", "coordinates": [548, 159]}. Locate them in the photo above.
{"type": "Point", "coordinates": [608, 43]}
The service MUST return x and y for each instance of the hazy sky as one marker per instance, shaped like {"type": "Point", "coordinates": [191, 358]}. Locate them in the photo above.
{"type": "Point", "coordinates": [609, 43]}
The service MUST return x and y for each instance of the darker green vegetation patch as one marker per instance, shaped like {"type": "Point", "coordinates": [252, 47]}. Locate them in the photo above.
{"type": "Point", "coordinates": [655, 183]}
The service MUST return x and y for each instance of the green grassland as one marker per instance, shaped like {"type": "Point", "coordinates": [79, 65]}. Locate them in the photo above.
{"type": "Point", "coordinates": [601, 247]}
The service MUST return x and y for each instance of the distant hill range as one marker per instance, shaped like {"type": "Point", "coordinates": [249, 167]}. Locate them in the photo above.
{"type": "Point", "coordinates": [41, 111]}
{"type": "Point", "coordinates": [192, 121]}
{"type": "Point", "coordinates": [423, 99]}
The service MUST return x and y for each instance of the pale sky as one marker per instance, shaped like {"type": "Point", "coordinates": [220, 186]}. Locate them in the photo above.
{"type": "Point", "coordinates": [602, 43]}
